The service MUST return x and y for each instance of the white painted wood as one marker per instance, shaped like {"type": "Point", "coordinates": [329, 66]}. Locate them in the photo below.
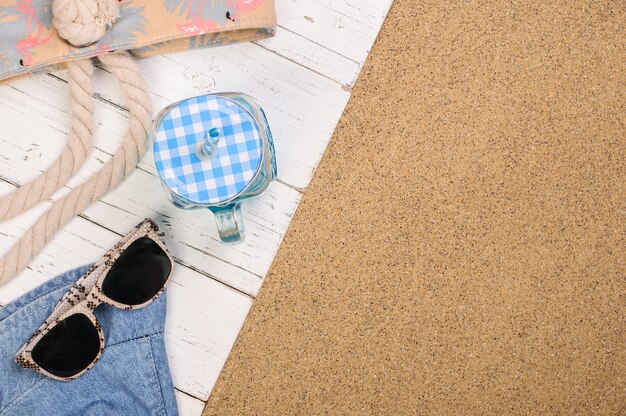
{"type": "Point", "coordinates": [187, 405]}
{"type": "Point", "coordinates": [204, 318]}
{"type": "Point", "coordinates": [312, 55]}
{"type": "Point", "coordinates": [302, 107]}
{"type": "Point", "coordinates": [301, 77]}
{"type": "Point", "coordinates": [196, 242]}
{"type": "Point", "coordinates": [346, 27]}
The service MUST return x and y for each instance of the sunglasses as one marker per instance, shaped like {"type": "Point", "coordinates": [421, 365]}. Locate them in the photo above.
{"type": "Point", "coordinates": [129, 276]}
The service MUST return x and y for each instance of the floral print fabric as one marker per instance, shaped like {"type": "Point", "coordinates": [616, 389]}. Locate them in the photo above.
{"type": "Point", "coordinates": [29, 42]}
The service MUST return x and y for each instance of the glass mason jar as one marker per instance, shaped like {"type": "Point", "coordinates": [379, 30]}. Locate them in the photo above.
{"type": "Point", "coordinates": [214, 151]}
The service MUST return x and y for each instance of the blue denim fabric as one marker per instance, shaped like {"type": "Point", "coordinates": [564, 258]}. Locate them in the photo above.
{"type": "Point", "coordinates": [131, 378]}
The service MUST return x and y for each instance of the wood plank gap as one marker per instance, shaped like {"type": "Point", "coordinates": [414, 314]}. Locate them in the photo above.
{"type": "Point", "coordinates": [182, 263]}
{"type": "Point", "coordinates": [179, 261]}
{"type": "Point", "coordinates": [95, 95]}
{"type": "Point", "coordinates": [295, 188]}
{"type": "Point", "coordinates": [206, 253]}
{"type": "Point", "coordinates": [344, 86]}
{"type": "Point", "coordinates": [315, 43]}
{"type": "Point", "coordinates": [13, 87]}
{"type": "Point", "coordinates": [120, 107]}
{"type": "Point", "coordinates": [233, 288]}
{"type": "Point", "coordinates": [188, 394]}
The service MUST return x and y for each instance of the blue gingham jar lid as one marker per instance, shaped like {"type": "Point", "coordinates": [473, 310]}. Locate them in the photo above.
{"type": "Point", "coordinates": [234, 161]}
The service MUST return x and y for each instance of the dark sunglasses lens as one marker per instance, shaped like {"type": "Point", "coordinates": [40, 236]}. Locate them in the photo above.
{"type": "Point", "coordinates": [69, 347]}
{"type": "Point", "coordinates": [138, 274]}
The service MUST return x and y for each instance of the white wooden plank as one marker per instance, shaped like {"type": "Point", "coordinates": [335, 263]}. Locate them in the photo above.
{"type": "Point", "coordinates": [195, 239]}
{"type": "Point", "coordinates": [79, 243]}
{"type": "Point", "coordinates": [312, 55]}
{"type": "Point", "coordinates": [303, 108]}
{"type": "Point", "coordinates": [187, 405]}
{"type": "Point", "coordinates": [332, 38]}
{"type": "Point", "coordinates": [204, 316]}
{"type": "Point", "coordinates": [347, 27]}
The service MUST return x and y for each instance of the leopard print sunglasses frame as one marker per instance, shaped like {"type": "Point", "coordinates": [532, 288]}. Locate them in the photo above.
{"type": "Point", "coordinates": [84, 296]}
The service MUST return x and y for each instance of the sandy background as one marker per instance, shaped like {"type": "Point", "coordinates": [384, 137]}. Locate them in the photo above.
{"type": "Point", "coordinates": [461, 248]}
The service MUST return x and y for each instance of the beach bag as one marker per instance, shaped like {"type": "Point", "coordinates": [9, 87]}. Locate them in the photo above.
{"type": "Point", "coordinates": [40, 36]}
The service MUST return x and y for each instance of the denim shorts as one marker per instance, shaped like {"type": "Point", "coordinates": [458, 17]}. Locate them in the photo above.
{"type": "Point", "coordinates": [131, 378]}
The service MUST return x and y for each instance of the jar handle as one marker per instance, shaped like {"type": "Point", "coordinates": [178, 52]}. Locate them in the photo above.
{"type": "Point", "coordinates": [230, 223]}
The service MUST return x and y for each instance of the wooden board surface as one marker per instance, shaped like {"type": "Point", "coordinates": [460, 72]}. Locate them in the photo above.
{"type": "Point", "coordinates": [302, 78]}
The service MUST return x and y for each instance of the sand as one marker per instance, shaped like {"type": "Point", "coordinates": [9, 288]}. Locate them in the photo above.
{"type": "Point", "coordinates": [461, 247]}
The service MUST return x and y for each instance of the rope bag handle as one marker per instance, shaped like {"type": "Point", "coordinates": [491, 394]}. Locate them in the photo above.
{"type": "Point", "coordinates": [83, 22]}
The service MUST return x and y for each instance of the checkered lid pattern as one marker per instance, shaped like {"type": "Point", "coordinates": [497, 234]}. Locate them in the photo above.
{"type": "Point", "coordinates": [237, 156]}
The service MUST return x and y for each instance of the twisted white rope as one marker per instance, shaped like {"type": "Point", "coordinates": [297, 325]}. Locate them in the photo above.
{"type": "Point", "coordinates": [108, 177]}
{"type": "Point", "coordinates": [73, 156]}
{"type": "Point", "coordinates": [83, 22]}
{"type": "Point", "coordinates": [80, 22]}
